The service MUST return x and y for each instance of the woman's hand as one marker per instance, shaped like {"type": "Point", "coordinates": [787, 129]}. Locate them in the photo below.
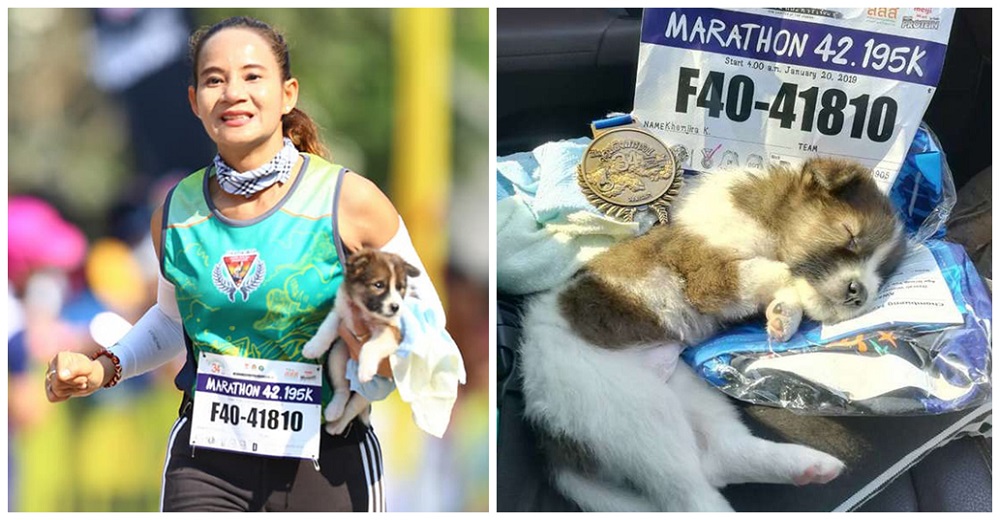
{"type": "Point", "coordinates": [72, 374]}
{"type": "Point", "coordinates": [354, 347]}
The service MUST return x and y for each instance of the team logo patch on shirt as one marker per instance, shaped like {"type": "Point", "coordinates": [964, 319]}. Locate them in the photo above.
{"type": "Point", "coordinates": [239, 271]}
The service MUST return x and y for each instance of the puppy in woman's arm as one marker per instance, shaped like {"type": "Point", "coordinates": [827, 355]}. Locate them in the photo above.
{"type": "Point", "coordinates": [370, 298]}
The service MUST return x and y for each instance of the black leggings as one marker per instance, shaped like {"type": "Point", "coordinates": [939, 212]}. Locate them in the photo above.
{"type": "Point", "coordinates": [202, 479]}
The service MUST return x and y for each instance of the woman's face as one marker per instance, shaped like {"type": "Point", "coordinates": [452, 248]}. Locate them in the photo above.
{"type": "Point", "coordinates": [240, 95]}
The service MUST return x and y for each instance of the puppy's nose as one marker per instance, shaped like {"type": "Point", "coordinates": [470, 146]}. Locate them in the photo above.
{"type": "Point", "coordinates": [856, 294]}
{"type": "Point", "coordinates": [393, 307]}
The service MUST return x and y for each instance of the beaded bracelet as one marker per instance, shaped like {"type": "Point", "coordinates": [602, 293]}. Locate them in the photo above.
{"type": "Point", "coordinates": [114, 360]}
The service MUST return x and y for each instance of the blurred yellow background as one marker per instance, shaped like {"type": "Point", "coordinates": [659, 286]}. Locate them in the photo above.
{"type": "Point", "coordinates": [99, 128]}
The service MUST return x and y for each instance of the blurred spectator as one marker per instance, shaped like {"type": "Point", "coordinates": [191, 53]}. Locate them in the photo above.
{"type": "Point", "coordinates": [42, 249]}
{"type": "Point", "coordinates": [64, 295]}
{"type": "Point", "coordinates": [38, 239]}
{"type": "Point", "coordinates": [139, 57]}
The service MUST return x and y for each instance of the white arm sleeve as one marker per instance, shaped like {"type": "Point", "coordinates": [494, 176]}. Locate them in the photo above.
{"type": "Point", "coordinates": [421, 287]}
{"type": "Point", "coordinates": [156, 338]}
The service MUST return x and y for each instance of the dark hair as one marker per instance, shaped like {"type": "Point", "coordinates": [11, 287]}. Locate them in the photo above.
{"type": "Point", "coordinates": [296, 125]}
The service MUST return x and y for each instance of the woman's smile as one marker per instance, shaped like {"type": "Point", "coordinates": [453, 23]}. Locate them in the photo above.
{"type": "Point", "coordinates": [236, 118]}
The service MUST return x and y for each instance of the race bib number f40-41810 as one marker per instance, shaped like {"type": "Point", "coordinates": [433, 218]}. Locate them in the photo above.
{"type": "Point", "coordinates": [257, 406]}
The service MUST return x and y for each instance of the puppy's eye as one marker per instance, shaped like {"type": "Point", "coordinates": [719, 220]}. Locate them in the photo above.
{"type": "Point", "coordinates": [852, 240]}
{"type": "Point", "coordinates": [379, 285]}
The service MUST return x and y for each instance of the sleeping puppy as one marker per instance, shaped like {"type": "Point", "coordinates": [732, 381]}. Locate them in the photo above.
{"type": "Point", "coordinates": [371, 295]}
{"type": "Point", "coordinates": [625, 427]}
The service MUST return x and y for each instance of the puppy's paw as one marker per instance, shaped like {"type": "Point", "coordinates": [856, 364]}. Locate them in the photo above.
{"type": "Point", "coordinates": [367, 371]}
{"type": "Point", "coordinates": [340, 425]}
{"type": "Point", "coordinates": [337, 427]}
{"type": "Point", "coordinates": [314, 348]}
{"type": "Point", "coordinates": [816, 467]}
{"type": "Point", "coordinates": [335, 409]}
{"type": "Point", "coordinates": [783, 319]}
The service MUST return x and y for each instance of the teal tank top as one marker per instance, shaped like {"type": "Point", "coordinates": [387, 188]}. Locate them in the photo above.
{"type": "Point", "coordinates": [253, 288]}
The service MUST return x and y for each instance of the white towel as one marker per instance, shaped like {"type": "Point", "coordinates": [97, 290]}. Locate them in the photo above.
{"type": "Point", "coordinates": [427, 368]}
{"type": "Point", "coordinates": [532, 257]}
{"type": "Point", "coordinates": [546, 229]}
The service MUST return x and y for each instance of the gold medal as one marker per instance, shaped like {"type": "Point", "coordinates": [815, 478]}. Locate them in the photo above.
{"type": "Point", "coordinates": [626, 170]}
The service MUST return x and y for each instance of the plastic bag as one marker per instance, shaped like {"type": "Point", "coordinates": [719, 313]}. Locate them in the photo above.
{"type": "Point", "coordinates": [924, 192]}
{"type": "Point", "coordinates": [888, 367]}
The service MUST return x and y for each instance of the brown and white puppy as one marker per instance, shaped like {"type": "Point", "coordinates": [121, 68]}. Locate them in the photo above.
{"type": "Point", "coordinates": [369, 298]}
{"type": "Point", "coordinates": [619, 432]}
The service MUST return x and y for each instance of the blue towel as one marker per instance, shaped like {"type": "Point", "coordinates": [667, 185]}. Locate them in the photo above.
{"type": "Point", "coordinates": [516, 174]}
{"type": "Point", "coordinates": [375, 390]}
{"type": "Point", "coordinates": [545, 179]}
{"type": "Point", "coordinates": [546, 228]}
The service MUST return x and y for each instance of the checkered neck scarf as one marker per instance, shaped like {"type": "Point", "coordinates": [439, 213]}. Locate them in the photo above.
{"type": "Point", "coordinates": [250, 182]}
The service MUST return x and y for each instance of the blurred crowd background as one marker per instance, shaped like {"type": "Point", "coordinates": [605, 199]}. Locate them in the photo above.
{"type": "Point", "coordinates": [99, 128]}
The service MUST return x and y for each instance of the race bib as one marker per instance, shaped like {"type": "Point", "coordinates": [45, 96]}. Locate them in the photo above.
{"type": "Point", "coordinates": [257, 406]}
{"type": "Point", "coordinates": [749, 87]}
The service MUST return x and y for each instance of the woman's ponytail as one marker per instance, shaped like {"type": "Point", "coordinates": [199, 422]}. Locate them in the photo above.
{"type": "Point", "coordinates": [304, 133]}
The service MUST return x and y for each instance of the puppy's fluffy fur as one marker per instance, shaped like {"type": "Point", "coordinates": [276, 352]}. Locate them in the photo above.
{"type": "Point", "coordinates": [372, 293]}
{"type": "Point", "coordinates": [619, 433]}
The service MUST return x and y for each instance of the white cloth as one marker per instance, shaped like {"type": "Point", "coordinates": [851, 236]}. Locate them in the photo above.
{"type": "Point", "coordinates": [534, 257]}
{"type": "Point", "coordinates": [546, 228]}
{"type": "Point", "coordinates": [376, 389]}
{"type": "Point", "coordinates": [427, 368]}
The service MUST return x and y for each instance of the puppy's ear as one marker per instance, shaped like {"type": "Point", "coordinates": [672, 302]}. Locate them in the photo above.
{"type": "Point", "coordinates": [357, 262]}
{"type": "Point", "coordinates": [411, 271]}
{"type": "Point", "coordinates": [835, 174]}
